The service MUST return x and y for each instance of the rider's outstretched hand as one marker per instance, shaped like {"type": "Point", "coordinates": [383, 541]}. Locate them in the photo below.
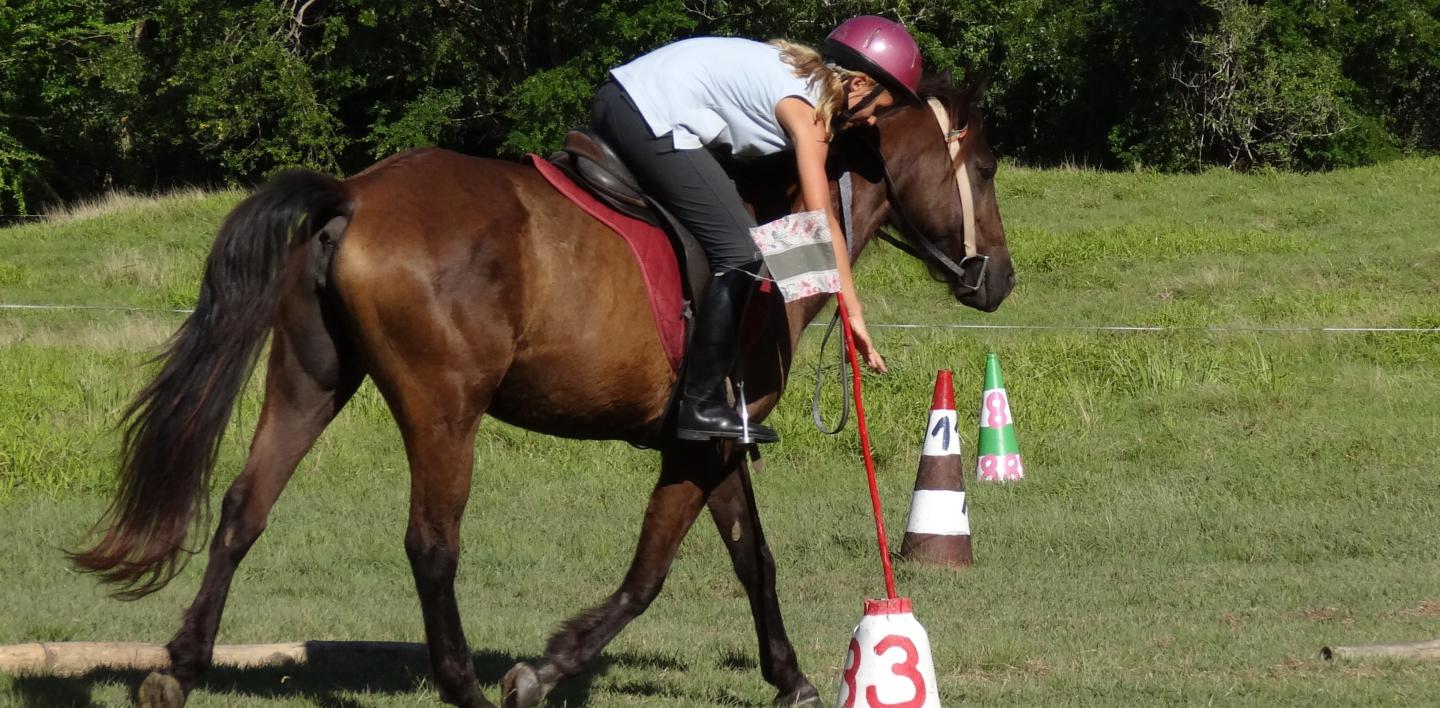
{"type": "Point", "coordinates": [865, 347]}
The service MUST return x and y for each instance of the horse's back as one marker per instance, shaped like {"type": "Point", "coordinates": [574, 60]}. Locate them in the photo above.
{"type": "Point", "coordinates": [475, 275]}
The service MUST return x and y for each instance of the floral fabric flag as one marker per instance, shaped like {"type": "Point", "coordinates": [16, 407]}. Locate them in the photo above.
{"type": "Point", "coordinates": [799, 254]}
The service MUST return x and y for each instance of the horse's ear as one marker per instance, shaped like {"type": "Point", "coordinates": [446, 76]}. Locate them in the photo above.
{"type": "Point", "coordinates": [977, 88]}
{"type": "Point", "coordinates": [947, 77]}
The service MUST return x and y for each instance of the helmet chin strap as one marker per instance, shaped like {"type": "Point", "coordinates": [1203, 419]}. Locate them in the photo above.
{"type": "Point", "coordinates": [837, 123]}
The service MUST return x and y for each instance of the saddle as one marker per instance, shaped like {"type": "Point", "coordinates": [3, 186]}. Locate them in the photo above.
{"type": "Point", "coordinates": [593, 165]}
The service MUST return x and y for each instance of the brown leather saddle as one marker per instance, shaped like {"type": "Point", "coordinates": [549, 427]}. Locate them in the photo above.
{"type": "Point", "coordinates": [594, 166]}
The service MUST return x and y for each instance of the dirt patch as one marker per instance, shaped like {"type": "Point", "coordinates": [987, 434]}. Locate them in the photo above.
{"type": "Point", "coordinates": [1292, 666]}
{"type": "Point", "coordinates": [1299, 667]}
{"type": "Point", "coordinates": [1429, 609]}
{"type": "Point", "coordinates": [1328, 614]}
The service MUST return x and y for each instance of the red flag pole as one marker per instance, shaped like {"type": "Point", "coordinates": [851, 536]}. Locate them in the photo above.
{"type": "Point", "coordinates": [865, 448]}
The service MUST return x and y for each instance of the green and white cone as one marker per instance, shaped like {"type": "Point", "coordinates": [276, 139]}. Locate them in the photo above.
{"type": "Point", "coordinates": [999, 454]}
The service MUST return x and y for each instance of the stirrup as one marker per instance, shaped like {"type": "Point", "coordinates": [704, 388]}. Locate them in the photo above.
{"type": "Point", "coordinates": [758, 434]}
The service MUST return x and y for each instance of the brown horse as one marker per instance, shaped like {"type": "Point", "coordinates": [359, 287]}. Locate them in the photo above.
{"type": "Point", "coordinates": [452, 282]}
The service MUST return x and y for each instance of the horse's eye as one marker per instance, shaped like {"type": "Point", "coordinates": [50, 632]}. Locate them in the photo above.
{"type": "Point", "coordinates": [988, 171]}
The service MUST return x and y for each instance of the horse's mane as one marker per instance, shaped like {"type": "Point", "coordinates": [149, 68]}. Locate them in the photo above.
{"type": "Point", "coordinates": [941, 86]}
{"type": "Point", "coordinates": [955, 98]}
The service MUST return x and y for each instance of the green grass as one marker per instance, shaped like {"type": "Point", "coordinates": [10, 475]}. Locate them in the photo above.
{"type": "Point", "coordinates": [1204, 509]}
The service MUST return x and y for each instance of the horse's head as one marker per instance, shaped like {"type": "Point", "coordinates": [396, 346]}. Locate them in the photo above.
{"type": "Point", "coordinates": [941, 175]}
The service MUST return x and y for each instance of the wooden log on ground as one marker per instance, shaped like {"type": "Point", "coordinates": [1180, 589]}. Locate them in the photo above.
{"type": "Point", "coordinates": [79, 658]}
{"type": "Point", "coordinates": [1426, 651]}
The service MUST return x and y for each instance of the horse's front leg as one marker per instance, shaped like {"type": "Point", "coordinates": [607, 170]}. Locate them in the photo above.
{"type": "Point", "coordinates": [732, 505]}
{"type": "Point", "coordinates": [687, 472]}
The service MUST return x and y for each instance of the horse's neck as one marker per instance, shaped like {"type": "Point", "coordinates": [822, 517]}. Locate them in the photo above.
{"type": "Point", "coordinates": [868, 209]}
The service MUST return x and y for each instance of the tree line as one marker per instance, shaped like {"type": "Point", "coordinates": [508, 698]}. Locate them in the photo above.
{"type": "Point", "coordinates": [150, 94]}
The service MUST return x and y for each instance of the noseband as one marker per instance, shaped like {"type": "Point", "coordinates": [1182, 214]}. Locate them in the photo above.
{"type": "Point", "coordinates": [953, 141]}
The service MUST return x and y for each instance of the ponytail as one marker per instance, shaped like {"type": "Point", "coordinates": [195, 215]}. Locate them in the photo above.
{"type": "Point", "coordinates": [830, 78]}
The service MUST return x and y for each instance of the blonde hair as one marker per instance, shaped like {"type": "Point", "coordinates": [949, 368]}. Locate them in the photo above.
{"type": "Point", "coordinates": [830, 77]}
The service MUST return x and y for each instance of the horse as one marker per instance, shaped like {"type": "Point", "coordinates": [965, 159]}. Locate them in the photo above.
{"type": "Point", "coordinates": [450, 281]}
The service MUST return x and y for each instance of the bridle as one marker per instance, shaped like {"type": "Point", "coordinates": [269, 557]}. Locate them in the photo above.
{"type": "Point", "coordinates": [954, 141]}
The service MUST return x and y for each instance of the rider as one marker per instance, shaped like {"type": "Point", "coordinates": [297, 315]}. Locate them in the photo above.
{"type": "Point", "coordinates": [749, 99]}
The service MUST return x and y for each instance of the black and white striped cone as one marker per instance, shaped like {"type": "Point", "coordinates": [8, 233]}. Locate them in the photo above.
{"type": "Point", "coordinates": [938, 530]}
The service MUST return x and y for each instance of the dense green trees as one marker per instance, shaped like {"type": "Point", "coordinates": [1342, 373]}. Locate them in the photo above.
{"type": "Point", "coordinates": [145, 94]}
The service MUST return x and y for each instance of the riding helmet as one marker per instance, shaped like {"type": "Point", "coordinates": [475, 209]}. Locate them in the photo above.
{"type": "Point", "coordinates": [881, 48]}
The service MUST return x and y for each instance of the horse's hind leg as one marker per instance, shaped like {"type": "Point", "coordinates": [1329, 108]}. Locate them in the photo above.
{"type": "Point", "coordinates": [685, 481]}
{"type": "Point", "coordinates": [307, 384]}
{"type": "Point", "coordinates": [732, 505]}
{"type": "Point", "coordinates": [438, 421]}
{"type": "Point", "coordinates": [441, 448]}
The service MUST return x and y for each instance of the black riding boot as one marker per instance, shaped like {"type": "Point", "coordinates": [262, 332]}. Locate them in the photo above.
{"type": "Point", "coordinates": [704, 413]}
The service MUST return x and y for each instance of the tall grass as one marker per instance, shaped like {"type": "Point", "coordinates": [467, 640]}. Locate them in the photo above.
{"type": "Point", "coordinates": [123, 203]}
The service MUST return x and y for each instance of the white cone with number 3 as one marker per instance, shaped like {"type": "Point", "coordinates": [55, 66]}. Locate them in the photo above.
{"type": "Point", "coordinates": [888, 664]}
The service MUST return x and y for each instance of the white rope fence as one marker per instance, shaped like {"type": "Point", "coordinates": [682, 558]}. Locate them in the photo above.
{"type": "Point", "coordinates": [116, 308]}
{"type": "Point", "coordinates": [882, 325]}
{"type": "Point", "coordinates": [1160, 328]}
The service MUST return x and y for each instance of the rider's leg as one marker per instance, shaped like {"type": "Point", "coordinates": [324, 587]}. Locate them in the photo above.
{"type": "Point", "coordinates": [704, 411]}
{"type": "Point", "coordinates": [696, 189]}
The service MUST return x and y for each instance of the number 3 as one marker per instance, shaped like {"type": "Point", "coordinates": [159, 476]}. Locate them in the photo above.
{"type": "Point", "coordinates": [852, 656]}
{"type": "Point", "coordinates": [908, 669]}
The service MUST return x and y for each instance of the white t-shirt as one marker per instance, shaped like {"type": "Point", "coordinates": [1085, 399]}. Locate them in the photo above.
{"type": "Point", "coordinates": [713, 91]}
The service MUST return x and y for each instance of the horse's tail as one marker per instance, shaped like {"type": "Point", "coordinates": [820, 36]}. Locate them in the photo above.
{"type": "Point", "coordinates": [172, 430]}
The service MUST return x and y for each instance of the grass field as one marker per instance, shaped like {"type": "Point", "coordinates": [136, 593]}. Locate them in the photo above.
{"type": "Point", "coordinates": [1204, 509]}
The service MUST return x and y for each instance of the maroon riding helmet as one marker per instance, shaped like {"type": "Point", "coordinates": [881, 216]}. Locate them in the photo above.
{"type": "Point", "coordinates": [881, 48]}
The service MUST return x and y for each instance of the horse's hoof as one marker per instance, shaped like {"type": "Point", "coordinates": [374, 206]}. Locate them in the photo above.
{"type": "Point", "coordinates": [805, 696]}
{"type": "Point", "coordinates": [161, 691]}
{"type": "Point", "coordinates": [521, 688]}
{"type": "Point", "coordinates": [478, 702]}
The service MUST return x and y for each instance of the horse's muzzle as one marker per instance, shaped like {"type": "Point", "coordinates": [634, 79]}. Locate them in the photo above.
{"type": "Point", "coordinates": [972, 275]}
{"type": "Point", "coordinates": [981, 286]}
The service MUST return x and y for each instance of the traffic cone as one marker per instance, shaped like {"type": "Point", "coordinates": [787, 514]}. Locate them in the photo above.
{"type": "Point", "coordinates": [938, 530]}
{"type": "Point", "coordinates": [888, 662]}
{"type": "Point", "coordinates": [999, 453]}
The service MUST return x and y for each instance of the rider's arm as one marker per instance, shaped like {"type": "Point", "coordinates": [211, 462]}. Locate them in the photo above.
{"type": "Point", "coordinates": [811, 148]}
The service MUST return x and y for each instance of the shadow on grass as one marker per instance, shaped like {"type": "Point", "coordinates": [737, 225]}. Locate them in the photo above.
{"type": "Point", "coordinates": [658, 686]}
{"type": "Point", "coordinates": [340, 678]}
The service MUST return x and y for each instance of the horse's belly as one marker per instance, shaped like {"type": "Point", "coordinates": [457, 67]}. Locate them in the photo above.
{"type": "Point", "coordinates": [592, 394]}
{"type": "Point", "coordinates": [588, 361]}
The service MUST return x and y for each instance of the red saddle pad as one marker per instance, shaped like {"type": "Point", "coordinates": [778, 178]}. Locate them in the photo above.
{"type": "Point", "coordinates": [653, 254]}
